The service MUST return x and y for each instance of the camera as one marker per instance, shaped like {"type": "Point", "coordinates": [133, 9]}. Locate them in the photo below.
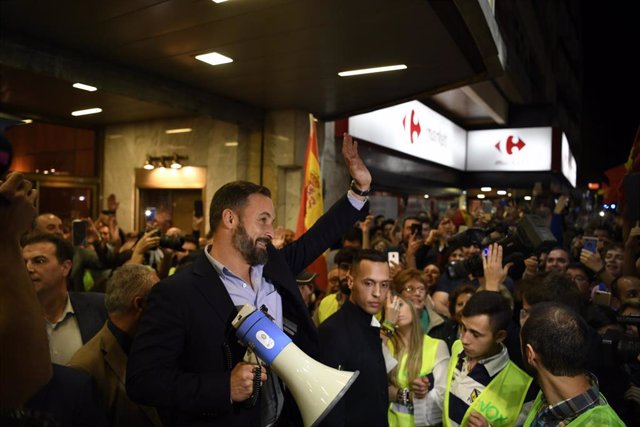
{"type": "Point", "coordinates": [618, 348]}
{"type": "Point", "coordinates": [416, 229]}
{"type": "Point", "coordinates": [531, 236]}
{"type": "Point", "coordinates": [168, 242]}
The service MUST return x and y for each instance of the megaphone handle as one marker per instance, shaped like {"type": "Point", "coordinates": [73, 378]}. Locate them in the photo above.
{"type": "Point", "coordinates": [257, 385]}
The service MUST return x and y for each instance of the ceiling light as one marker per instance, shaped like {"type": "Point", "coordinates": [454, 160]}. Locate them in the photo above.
{"type": "Point", "coordinates": [509, 194]}
{"type": "Point", "coordinates": [214, 58]}
{"type": "Point", "coordinates": [82, 198]}
{"type": "Point", "coordinates": [87, 111]}
{"type": "Point", "coordinates": [148, 165]}
{"type": "Point", "coordinates": [181, 130]}
{"type": "Point", "coordinates": [501, 192]}
{"type": "Point", "coordinates": [426, 196]}
{"type": "Point", "coordinates": [480, 196]}
{"type": "Point", "coordinates": [601, 213]}
{"type": "Point", "coordinates": [372, 70]}
{"type": "Point", "coordinates": [231, 144]}
{"type": "Point", "coordinates": [175, 162]}
{"type": "Point", "coordinates": [219, 1]}
{"type": "Point", "coordinates": [83, 86]}
{"type": "Point", "coordinates": [527, 198]}
{"type": "Point", "coordinates": [485, 188]}
{"type": "Point", "coordinates": [27, 121]}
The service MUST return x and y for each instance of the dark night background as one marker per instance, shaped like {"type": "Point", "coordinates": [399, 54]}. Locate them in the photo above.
{"type": "Point", "coordinates": [611, 96]}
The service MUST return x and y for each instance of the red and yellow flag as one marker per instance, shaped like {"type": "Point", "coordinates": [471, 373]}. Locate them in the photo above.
{"type": "Point", "coordinates": [311, 206]}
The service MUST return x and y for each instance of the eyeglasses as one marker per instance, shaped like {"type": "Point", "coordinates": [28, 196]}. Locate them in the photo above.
{"type": "Point", "coordinates": [411, 290]}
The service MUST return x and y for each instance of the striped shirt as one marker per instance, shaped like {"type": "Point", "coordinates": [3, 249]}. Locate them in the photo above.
{"type": "Point", "coordinates": [466, 385]}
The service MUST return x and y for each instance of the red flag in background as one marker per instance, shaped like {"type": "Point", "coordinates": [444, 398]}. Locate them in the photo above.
{"type": "Point", "coordinates": [311, 206]}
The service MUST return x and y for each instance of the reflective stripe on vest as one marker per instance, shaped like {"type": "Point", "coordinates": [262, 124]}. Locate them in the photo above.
{"type": "Point", "coordinates": [601, 415]}
{"type": "Point", "coordinates": [500, 402]}
{"type": "Point", "coordinates": [400, 415]}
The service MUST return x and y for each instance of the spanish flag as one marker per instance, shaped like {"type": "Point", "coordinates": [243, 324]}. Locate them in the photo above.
{"type": "Point", "coordinates": [311, 206]}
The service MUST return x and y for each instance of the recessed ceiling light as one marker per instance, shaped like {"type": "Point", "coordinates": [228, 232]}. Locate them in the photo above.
{"type": "Point", "coordinates": [372, 70]}
{"type": "Point", "coordinates": [485, 188]}
{"type": "Point", "coordinates": [83, 86]}
{"type": "Point", "coordinates": [87, 111]}
{"type": "Point", "coordinates": [219, 1]}
{"type": "Point", "coordinates": [214, 58]}
{"type": "Point", "coordinates": [231, 144]}
{"type": "Point", "coordinates": [501, 192]}
{"type": "Point", "coordinates": [480, 196]}
{"type": "Point", "coordinates": [27, 121]}
{"type": "Point", "coordinates": [426, 196]}
{"type": "Point", "coordinates": [527, 198]}
{"type": "Point", "coordinates": [181, 130]}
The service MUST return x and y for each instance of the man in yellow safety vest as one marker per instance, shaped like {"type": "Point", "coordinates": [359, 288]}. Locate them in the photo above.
{"type": "Point", "coordinates": [483, 386]}
{"type": "Point", "coordinates": [555, 347]}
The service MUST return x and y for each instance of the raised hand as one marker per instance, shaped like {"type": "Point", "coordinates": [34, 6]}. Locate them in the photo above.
{"type": "Point", "coordinates": [357, 169]}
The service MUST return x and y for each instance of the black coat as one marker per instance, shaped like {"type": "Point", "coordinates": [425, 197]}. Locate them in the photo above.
{"type": "Point", "coordinates": [349, 342]}
{"type": "Point", "coordinates": [90, 313]}
{"type": "Point", "coordinates": [179, 359]}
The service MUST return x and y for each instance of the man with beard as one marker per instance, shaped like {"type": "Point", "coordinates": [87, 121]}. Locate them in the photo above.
{"type": "Point", "coordinates": [555, 348]}
{"type": "Point", "coordinates": [185, 359]}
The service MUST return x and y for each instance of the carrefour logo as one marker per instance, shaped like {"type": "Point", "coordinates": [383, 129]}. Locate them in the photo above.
{"type": "Point", "coordinates": [512, 142]}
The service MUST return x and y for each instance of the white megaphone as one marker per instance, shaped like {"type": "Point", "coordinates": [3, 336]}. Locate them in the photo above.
{"type": "Point", "coordinates": [315, 387]}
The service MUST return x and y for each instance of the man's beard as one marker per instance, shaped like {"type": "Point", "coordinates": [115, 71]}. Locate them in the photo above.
{"type": "Point", "coordinates": [247, 247]}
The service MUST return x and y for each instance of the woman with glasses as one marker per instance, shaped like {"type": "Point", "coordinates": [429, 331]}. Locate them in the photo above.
{"type": "Point", "coordinates": [412, 284]}
{"type": "Point", "coordinates": [417, 382]}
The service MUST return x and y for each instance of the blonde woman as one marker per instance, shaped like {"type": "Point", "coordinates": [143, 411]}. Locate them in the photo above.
{"type": "Point", "coordinates": [417, 382]}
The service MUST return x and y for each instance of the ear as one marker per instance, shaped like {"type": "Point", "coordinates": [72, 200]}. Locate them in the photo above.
{"type": "Point", "coordinates": [349, 280]}
{"type": "Point", "coordinates": [501, 336]}
{"type": "Point", "coordinates": [531, 356]}
{"type": "Point", "coordinates": [138, 303]}
{"type": "Point", "coordinates": [66, 267]}
{"type": "Point", "coordinates": [229, 218]}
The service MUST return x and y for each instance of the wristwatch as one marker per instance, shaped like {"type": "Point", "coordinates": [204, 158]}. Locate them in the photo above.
{"type": "Point", "coordinates": [357, 191]}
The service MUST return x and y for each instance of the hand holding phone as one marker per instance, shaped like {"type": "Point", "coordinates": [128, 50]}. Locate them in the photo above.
{"type": "Point", "coordinates": [602, 298]}
{"type": "Point", "coordinates": [79, 232]}
{"type": "Point", "coordinates": [393, 257]}
{"type": "Point", "coordinates": [197, 209]}
{"type": "Point", "coordinates": [590, 243]}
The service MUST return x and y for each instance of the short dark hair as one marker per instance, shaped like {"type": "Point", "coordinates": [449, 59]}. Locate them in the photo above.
{"type": "Point", "coordinates": [551, 286]}
{"type": "Point", "coordinates": [367, 255]}
{"type": "Point", "coordinates": [410, 218]}
{"type": "Point", "coordinates": [232, 195]}
{"type": "Point", "coordinates": [345, 256]}
{"type": "Point", "coordinates": [493, 305]}
{"type": "Point", "coordinates": [576, 265]}
{"type": "Point", "coordinates": [64, 249]}
{"type": "Point", "coordinates": [559, 336]}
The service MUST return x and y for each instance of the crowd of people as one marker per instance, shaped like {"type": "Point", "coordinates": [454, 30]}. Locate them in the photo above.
{"type": "Point", "coordinates": [446, 321]}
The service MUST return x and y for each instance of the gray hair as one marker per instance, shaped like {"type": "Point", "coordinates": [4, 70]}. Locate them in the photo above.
{"type": "Point", "coordinates": [126, 283]}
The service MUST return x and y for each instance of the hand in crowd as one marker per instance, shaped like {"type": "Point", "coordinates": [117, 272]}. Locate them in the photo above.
{"type": "Point", "coordinates": [112, 203]}
{"type": "Point", "coordinates": [366, 224]}
{"type": "Point", "coordinates": [494, 272]}
{"type": "Point", "coordinates": [357, 169]}
{"type": "Point", "coordinates": [634, 236]}
{"type": "Point", "coordinates": [242, 381]}
{"type": "Point", "coordinates": [420, 387]}
{"type": "Point", "coordinates": [592, 260]}
{"type": "Point", "coordinates": [92, 232]}
{"type": "Point", "coordinates": [149, 240]}
{"type": "Point", "coordinates": [531, 265]}
{"type": "Point", "coordinates": [394, 268]}
{"type": "Point", "coordinates": [17, 199]}
{"type": "Point", "coordinates": [196, 222]}
{"type": "Point", "coordinates": [561, 204]}
{"type": "Point", "coordinates": [433, 237]}
{"type": "Point", "coordinates": [476, 419]}
{"type": "Point", "coordinates": [392, 308]}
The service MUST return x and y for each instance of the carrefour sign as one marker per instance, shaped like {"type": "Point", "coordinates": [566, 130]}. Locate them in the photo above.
{"type": "Point", "coordinates": [524, 149]}
{"type": "Point", "coordinates": [415, 129]}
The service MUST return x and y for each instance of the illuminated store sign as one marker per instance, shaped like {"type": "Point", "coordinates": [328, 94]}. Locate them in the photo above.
{"type": "Point", "coordinates": [413, 128]}
{"type": "Point", "coordinates": [569, 167]}
{"type": "Point", "coordinates": [524, 149]}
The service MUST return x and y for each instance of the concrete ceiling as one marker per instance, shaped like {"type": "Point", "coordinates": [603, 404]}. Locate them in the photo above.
{"type": "Point", "coordinates": [287, 55]}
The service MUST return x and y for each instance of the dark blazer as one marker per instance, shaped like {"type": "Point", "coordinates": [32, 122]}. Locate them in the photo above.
{"type": "Point", "coordinates": [90, 312]}
{"type": "Point", "coordinates": [349, 342]}
{"type": "Point", "coordinates": [70, 398]}
{"type": "Point", "coordinates": [185, 348]}
{"type": "Point", "coordinates": [104, 359]}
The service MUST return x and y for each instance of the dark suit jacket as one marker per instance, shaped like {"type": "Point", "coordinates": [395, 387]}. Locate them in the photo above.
{"type": "Point", "coordinates": [90, 312]}
{"type": "Point", "coordinates": [104, 359]}
{"type": "Point", "coordinates": [185, 348]}
{"type": "Point", "coordinates": [69, 398]}
{"type": "Point", "coordinates": [349, 341]}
